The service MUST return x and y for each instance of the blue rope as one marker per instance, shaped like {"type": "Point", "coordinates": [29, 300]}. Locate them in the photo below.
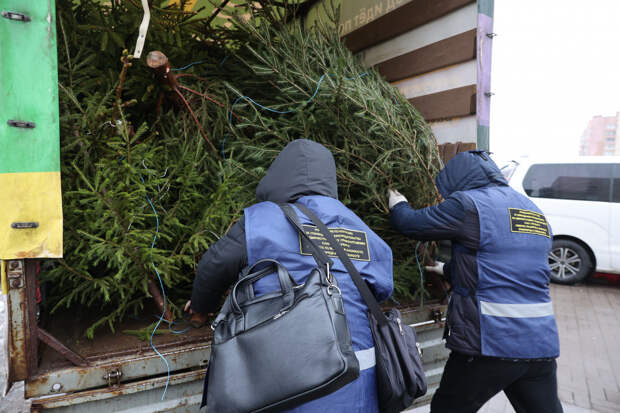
{"type": "Point", "coordinates": [198, 63]}
{"type": "Point", "coordinates": [224, 146]}
{"type": "Point", "coordinates": [171, 324]}
{"type": "Point", "coordinates": [173, 331]}
{"type": "Point", "coordinates": [161, 284]}
{"type": "Point", "coordinates": [316, 90]}
{"type": "Point", "coordinates": [421, 273]}
{"type": "Point", "coordinates": [189, 65]}
{"type": "Point", "coordinates": [282, 112]}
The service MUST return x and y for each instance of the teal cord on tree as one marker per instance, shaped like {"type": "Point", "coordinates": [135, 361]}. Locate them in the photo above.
{"type": "Point", "coordinates": [163, 292]}
{"type": "Point", "coordinates": [417, 260]}
{"type": "Point", "coordinates": [282, 112]}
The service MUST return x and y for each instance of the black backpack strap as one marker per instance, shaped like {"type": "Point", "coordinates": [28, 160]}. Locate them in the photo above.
{"type": "Point", "coordinates": [319, 255]}
{"type": "Point", "coordinates": [359, 282]}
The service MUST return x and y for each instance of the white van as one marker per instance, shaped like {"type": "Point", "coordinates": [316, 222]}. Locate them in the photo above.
{"type": "Point", "coordinates": [581, 200]}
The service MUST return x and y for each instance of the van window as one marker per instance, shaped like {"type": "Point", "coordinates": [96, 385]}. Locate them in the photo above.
{"type": "Point", "coordinates": [616, 188]}
{"type": "Point", "coordinates": [586, 182]}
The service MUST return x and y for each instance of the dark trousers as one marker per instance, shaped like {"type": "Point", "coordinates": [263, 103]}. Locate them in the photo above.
{"type": "Point", "coordinates": [469, 382]}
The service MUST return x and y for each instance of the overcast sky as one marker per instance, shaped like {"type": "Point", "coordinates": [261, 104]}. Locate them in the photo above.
{"type": "Point", "coordinates": [556, 64]}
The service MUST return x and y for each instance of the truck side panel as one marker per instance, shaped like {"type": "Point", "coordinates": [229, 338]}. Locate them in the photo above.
{"type": "Point", "coordinates": [31, 219]}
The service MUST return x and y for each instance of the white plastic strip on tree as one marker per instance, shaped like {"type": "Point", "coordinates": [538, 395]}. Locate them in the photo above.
{"type": "Point", "coordinates": [144, 27]}
{"type": "Point", "coordinates": [516, 310]}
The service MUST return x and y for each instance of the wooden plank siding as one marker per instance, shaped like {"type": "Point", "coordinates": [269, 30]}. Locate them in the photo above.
{"type": "Point", "coordinates": [429, 50]}
{"type": "Point", "coordinates": [446, 52]}
{"type": "Point", "coordinates": [448, 104]}
{"type": "Point", "coordinates": [448, 150]}
{"type": "Point", "coordinates": [452, 24]}
{"type": "Point", "coordinates": [403, 19]}
{"type": "Point", "coordinates": [452, 77]}
{"type": "Point", "coordinates": [455, 129]}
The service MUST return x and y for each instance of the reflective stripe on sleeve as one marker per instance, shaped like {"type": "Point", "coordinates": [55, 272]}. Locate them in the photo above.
{"type": "Point", "coordinates": [516, 310]}
{"type": "Point", "coordinates": [366, 358]}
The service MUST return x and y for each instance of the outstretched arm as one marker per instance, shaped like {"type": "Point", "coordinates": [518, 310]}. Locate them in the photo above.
{"type": "Point", "coordinates": [218, 269]}
{"type": "Point", "coordinates": [439, 222]}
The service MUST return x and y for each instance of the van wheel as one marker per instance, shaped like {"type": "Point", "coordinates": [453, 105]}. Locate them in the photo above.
{"type": "Point", "coordinates": [570, 263]}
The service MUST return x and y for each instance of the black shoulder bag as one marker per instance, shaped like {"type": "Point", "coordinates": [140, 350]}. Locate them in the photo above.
{"type": "Point", "coordinates": [400, 376]}
{"type": "Point", "coordinates": [283, 348]}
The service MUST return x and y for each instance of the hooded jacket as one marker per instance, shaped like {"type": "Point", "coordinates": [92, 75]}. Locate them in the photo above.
{"type": "Point", "coordinates": [305, 172]}
{"type": "Point", "coordinates": [499, 272]}
{"type": "Point", "coordinates": [302, 168]}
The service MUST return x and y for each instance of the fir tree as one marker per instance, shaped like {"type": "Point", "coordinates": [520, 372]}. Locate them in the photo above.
{"type": "Point", "coordinates": [144, 191]}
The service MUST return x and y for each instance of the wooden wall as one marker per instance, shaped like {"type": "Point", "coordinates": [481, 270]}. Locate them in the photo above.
{"type": "Point", "coordinates": [430, 50]}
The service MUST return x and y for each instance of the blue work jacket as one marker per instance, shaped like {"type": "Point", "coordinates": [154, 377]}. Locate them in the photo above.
{"type": "Point", "coordinates": [270, 235]}
{"type": "Point", "coordinates": [500, 306]}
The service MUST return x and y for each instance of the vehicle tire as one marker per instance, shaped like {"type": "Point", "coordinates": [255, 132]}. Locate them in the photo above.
{"type": "Point", "coordinates": [569, 261]}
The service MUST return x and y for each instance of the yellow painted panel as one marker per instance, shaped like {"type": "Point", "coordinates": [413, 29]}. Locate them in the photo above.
{"type": "Point", "coordinates": [30, 197]}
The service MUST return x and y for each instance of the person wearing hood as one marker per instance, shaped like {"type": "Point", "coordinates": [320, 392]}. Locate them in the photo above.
{"type": "Point", "coordinates": [500, 325]}
{"type": "Point", "coordinates": [304, 172]}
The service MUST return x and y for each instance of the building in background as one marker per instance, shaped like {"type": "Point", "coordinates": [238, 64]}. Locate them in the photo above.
{"type": "Point", "coordinates": [599, 138]}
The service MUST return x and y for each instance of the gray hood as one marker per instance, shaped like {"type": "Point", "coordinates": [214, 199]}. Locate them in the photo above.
{"type": "Point", "coordinates": [302, 168]}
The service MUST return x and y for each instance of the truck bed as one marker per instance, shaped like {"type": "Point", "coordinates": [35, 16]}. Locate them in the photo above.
{"type": "Point", "coordinates": [69, 327]}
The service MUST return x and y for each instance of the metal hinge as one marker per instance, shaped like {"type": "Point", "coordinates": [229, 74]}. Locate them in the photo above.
{"type": "Point", "coordinates": [113, 377]}
{"type": "Point", "coordinates": [15, 273]}
{"type": "Point", "coordinates": [21, 124]}
{"type": "Point", "coordinates": [24, 225]}
{"type": "Point", "coordinates": [13, 15]}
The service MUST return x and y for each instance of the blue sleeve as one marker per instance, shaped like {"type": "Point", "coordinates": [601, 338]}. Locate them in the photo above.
{"type": "Point", "coordinates": [439, 222]}
{"type": "Point", "coordinates": [382, 283]}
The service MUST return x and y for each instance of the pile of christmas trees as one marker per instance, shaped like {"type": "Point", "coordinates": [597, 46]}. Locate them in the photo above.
{"type": "Point", "coordinates": [161, 154]}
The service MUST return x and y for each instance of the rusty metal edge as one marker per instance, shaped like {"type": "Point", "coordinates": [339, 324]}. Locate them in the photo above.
{"type": "Point", "coordinates": [136, 367]}
{"type": "Point", "coordinates": [52, 402]}
{"type": "Point", "coordinates": [35, 386]}
{"type": "Point", "coordinates": [67, 353]}
{"type": "Point", "coordinates": [18, 365]}
{"type": "Point", "coordinates": [410, 314]}
{"type": "Point", "coordinates": [4, 281]}
{"type": "Point", "coordinates": [146, 348]}
{"type": "Point", "coordinates": [32, 339]}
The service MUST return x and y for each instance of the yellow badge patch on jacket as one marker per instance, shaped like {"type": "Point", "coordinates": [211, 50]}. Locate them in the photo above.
{"type": "Point", "coordinates": [528, 222]}
{"type": "Point", "coordinates": [355, 243]}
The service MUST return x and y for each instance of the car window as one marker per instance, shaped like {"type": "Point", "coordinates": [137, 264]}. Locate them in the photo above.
{"type": "Point", "coordinates": [586, 182]}
{"type": "Point", "coordinates": [616, 186]}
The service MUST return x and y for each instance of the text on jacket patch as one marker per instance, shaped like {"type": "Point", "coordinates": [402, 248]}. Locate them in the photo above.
{"type": "Point", "coordinates": [528, 222]}
{"type": "Point", "coordinates": [355, 243]}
